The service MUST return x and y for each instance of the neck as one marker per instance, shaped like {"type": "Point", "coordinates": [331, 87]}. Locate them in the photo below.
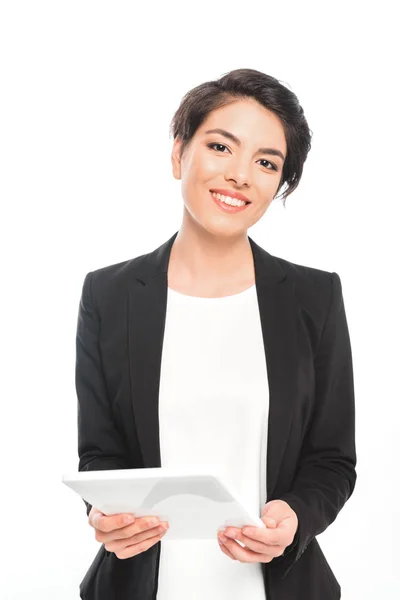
{"type": "Point", "coordinates": [198, 255]}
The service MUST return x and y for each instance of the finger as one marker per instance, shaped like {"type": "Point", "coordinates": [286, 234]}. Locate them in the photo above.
{"type": "Point", "coordinates": [246, 555]}
{"type": "Point", "coordinates": [225, 550]}
{"type": "Point", "coordinates": [108, 523]}
{"type": "Point", "coordinates": [128, 531]}
{"type": "Point", "coordinates": [255, 545]}
{"type": "Point", "coordinates": [274, 550]}
{"type": "Point", "coordinates": [94, 515]}
{"type": "Point", "coordinates": [117, 545]}
{"type": "Point", "coordinates": [135, 549]}
{"type": "Point", "coordinates": [271, 537]}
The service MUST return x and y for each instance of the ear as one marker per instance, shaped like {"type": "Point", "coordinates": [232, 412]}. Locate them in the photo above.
{"type": "Point", "coordinates": [175, 160]}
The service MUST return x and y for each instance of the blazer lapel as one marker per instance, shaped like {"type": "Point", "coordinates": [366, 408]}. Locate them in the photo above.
{"type": "Point", "coordinates": [147, 300]}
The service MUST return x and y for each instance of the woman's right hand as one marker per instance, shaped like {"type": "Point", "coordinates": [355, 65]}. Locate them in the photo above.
{"type": "Point", "coordinates": [122, 539]}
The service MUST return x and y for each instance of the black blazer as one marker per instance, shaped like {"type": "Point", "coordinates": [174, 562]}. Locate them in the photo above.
{"type": "Point", "coordinates": [311, 454]}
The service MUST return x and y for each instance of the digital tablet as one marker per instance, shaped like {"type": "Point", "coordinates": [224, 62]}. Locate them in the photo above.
{"type": "Point", "coordinates": [196, 504]}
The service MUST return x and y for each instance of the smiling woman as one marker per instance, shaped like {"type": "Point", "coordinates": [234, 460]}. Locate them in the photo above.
{"type": "Point", "coordinates": [209, 350]}
{"type": "Point", "coordinates": [208, 165]}
{"type": "Point", "coordinates": [267, 92]}
{"type": "Point", "coordinates": [242, 138]}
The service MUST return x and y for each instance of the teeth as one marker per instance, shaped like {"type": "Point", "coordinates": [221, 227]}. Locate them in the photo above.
{"type": "Point", "coordinates": [229, 200]}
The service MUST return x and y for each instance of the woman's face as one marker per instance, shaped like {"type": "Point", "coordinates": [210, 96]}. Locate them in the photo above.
{"type": "Point", "coordinates": [212, 161]}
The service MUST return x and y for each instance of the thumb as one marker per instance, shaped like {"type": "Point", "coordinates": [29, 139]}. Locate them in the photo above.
{"type": "Point", "coordinates": [269, 515]}
{"type": "Point", "coordinates": [276, 510]}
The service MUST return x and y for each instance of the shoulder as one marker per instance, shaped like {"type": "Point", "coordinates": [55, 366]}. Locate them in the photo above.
{"type": "Point", "coordinates": [108, 285]}
{"type": "Point", "coordinates": [303, 274]}
{"type": "Point", "coordinates": [315, 289]}
{"type": "Point", "coordinates": [308, 278]}
{"type": "Point", "coordinates": [116, 272]}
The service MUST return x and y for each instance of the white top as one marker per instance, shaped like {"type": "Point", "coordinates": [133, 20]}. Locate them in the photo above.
{"type": "Point", "coordinates": [213, 409]}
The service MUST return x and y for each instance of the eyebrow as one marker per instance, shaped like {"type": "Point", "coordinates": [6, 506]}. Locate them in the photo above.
{"type": "Point", "coordinates": [227, 134]}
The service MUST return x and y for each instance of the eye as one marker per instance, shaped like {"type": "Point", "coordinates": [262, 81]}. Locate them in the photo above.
{"type": "Point", "coordinates": [274, 167]}
{"type": "Point", "coordinates": [215, 144]}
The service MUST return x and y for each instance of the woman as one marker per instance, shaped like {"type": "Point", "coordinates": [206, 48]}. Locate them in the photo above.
{"type": "Point", "coordinates": [211, 350]}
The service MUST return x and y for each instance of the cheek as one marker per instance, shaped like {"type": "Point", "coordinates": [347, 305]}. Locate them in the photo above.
{"type": "Point", "coordinates": [196, 172]}
{"type": "Point", "coordinates": [206, 166]}
{"type": "Point", "coordinates": [199, 177]}
{"type": "Point", "coordinates": [262, 208]}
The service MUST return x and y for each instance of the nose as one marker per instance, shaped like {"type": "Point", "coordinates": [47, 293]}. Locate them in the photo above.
{"type": "Point", "coordinates": [239, 172]}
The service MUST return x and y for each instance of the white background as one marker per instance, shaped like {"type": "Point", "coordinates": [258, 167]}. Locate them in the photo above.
{"type": "Point", "coordinates": [88, 90]}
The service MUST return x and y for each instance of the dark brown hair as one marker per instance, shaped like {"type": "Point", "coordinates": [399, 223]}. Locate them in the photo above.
{"type": "Point", "coordinates": [199, 102]}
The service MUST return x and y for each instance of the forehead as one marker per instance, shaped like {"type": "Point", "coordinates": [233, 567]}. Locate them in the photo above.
{"type": "Point", "coordinates": [249, 121]}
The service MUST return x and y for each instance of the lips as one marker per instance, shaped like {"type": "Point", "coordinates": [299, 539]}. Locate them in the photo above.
{"type": "Point", "coordinates": [228, 208]}
{"type": "Point", "coordinates": [231, 194]}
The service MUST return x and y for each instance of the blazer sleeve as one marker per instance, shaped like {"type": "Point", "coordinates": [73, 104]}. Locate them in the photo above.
{"type": "Point", "coordinates": [99, 444]}
{"type": "Point", "coordinates": [326, 475]}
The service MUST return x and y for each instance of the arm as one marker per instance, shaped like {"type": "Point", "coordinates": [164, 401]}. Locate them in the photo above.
{"type": "Point", "coordinates": [326, 473]}
{"type": "Point", "coordinates": [99, 444]}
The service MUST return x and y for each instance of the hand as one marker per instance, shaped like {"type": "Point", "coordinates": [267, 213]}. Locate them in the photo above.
{"type": "Point", "coordinates": [124, 539]}
{"type": "Point", "coordinates": [262, 545]}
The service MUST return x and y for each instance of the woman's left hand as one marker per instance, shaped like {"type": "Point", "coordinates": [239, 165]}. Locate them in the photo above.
{"type": "Point", "coordinates": [262, 545]}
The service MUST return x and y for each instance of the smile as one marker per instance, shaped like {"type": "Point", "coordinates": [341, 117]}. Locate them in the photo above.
{"type": "Point", "coordinates": [223, 203]}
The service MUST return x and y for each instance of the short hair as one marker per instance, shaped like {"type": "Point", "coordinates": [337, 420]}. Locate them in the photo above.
{"type": "Point", "coordinates": [239, 84]}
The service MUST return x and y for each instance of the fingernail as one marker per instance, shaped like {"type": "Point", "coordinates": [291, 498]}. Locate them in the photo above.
{"type": "Point", "coordinates": [223, 538]}
{"type": "Point", "coordinates": [128, 520]}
